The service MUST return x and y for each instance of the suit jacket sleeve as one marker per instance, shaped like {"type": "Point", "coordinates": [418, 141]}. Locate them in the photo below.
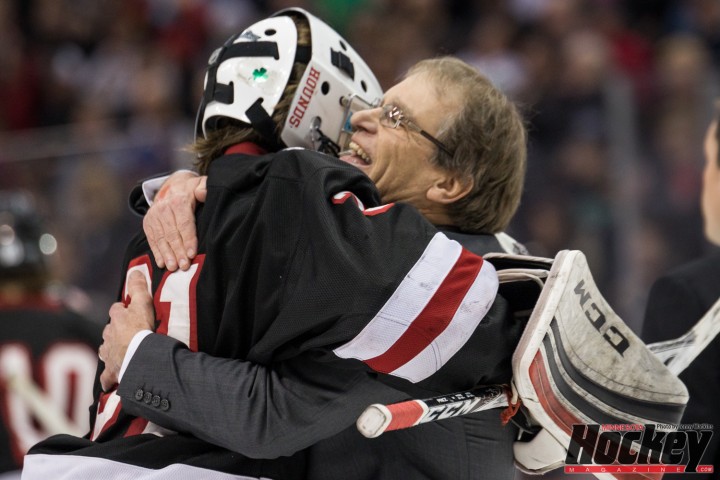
{"type": "Point", "coordinates": [258, 411]}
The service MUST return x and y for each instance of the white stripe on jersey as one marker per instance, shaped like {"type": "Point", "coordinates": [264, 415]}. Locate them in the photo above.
{"type": "Point", "coordinates": [342, 197]}
{"type": "Point", "coordinates": [141, 264]}
{"type": "Point", "coordinates": [473, 309]}
{"type": "Point", "coordinates": [109, 411]}
{"type": "Point", "coordinates": [72, 467]}
{"type": "Point", "coordinates": [402, 325]}
{"type": "Point", "coordinates": [406, 303]}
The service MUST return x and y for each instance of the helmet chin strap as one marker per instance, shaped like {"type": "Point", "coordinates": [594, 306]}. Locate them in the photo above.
{"type": "Point", "coordinates": [322, 142]}
{"type": "Point", "coordinates": [263, 124]}
{"type": "Point", "coordinates": [327, 146]}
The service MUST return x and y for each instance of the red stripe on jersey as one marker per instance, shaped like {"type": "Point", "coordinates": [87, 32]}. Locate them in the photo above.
{"type": "Point", "coordinates": [434, 318]}
{"type": "Point", "coordinates": [102, 401]}
{"type": "Point", "coordinates": [369, 212]}
{"type": "Point", "coordinates": [111, 421]}
{"type": "Point", "coordinates": [342, 197]}
{"type": "Point", "coordinates": [405, 414]}
{"type": "Point", "coordinates": [136, 427]}
{"type": "Point", "coordinates": [72, 393]}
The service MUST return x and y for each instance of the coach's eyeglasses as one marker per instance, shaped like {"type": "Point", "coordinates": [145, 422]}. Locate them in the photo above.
{"type": "Point", "coordinates": [392, 116]}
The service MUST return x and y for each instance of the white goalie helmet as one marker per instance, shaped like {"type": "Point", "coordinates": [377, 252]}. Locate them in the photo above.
{"type": "Point", "coordinates": [246, 78]}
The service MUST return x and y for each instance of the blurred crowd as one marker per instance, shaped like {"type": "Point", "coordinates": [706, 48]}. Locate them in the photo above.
{"type": "Point", "coordinates": [98, 94]}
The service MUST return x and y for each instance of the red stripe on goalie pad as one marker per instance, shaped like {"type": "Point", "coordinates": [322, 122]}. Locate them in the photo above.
{"type": "Point", "coordinates": [552, 406]}
{"type": "Point", "coordinates": [405, 414]}
{"type": "Point", "coordinates": [561, 416]}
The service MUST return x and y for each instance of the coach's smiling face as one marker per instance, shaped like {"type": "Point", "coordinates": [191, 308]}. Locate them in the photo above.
{"type": "Point", "coordinates": [398, 160]}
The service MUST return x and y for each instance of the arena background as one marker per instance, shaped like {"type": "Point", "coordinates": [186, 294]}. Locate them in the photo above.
{"type": "Point", "coordinates": [98, 94]}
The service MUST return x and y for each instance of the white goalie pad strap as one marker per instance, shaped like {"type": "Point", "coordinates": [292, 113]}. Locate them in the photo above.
{"type": "Point", "coordinates": [577, 362]}
{"type": "Point", "coordinates": [510, 245]}
{"type": "Point", "coordinates": [540, 455]}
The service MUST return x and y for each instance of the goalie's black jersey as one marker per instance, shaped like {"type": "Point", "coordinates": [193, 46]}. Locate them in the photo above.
{"type": "Point", "coordinates": [300, 268]}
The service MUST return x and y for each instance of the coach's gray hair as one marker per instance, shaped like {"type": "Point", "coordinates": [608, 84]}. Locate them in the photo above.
{"type": "Point", "coordinates": [489, 139]}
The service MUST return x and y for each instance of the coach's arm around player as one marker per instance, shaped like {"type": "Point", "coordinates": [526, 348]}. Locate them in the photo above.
{"type": "Point", "coordinates": [310, 395]}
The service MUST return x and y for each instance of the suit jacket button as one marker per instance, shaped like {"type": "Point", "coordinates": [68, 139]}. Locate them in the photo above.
{"type": "Point", "coordinates": [139, 394]}
{"type": "Point", "coordinates": [148, 397]}
{"type": "Point", "coordinates": [164, 405]}
{"type": "Point", "coordinates": [155, 401]}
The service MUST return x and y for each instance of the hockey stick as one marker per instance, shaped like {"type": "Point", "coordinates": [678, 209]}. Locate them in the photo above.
{"type": "Point", "coordinates": [378, 418]}
{"type": "Point", "coordinates": [48, 415]}
{"type": "Point", "coordinates": [676, 354]}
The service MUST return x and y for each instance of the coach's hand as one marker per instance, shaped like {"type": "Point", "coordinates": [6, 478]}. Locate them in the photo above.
{"type": "Point", "coordinates": [125, 322]}
{"type": "Point", "coordinates": [169, 224]}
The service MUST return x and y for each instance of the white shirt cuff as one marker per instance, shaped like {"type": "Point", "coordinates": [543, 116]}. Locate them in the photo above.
{"type": "Point", "coordinates": [151, 187]}
{"type": "Point", "coordinates": [132, 347]}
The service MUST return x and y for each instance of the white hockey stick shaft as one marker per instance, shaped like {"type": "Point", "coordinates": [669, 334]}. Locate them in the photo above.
{"type": "Point", "coordinates": [378, 418]}
{"type": "Point", "coordinates": [50, 417]}
{"type": "Point", "coordinates": [678, 353]}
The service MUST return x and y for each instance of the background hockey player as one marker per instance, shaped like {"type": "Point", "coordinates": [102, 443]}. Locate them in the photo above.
{"type": "Point", "coordinates": [47, 351]}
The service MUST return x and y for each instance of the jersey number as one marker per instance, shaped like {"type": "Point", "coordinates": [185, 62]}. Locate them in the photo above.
{"type": "Point", "coordinates": [176, 314]}
{"type": "Point", "coordinates": [66, 371]}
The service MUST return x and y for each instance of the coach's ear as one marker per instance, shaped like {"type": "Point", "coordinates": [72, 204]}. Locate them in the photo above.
{"type": "Point", "coordinates": [449, 188]}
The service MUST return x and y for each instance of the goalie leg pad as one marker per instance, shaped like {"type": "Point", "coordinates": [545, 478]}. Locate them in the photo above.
{"type": "Point", "coordinates": [577, 362]}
